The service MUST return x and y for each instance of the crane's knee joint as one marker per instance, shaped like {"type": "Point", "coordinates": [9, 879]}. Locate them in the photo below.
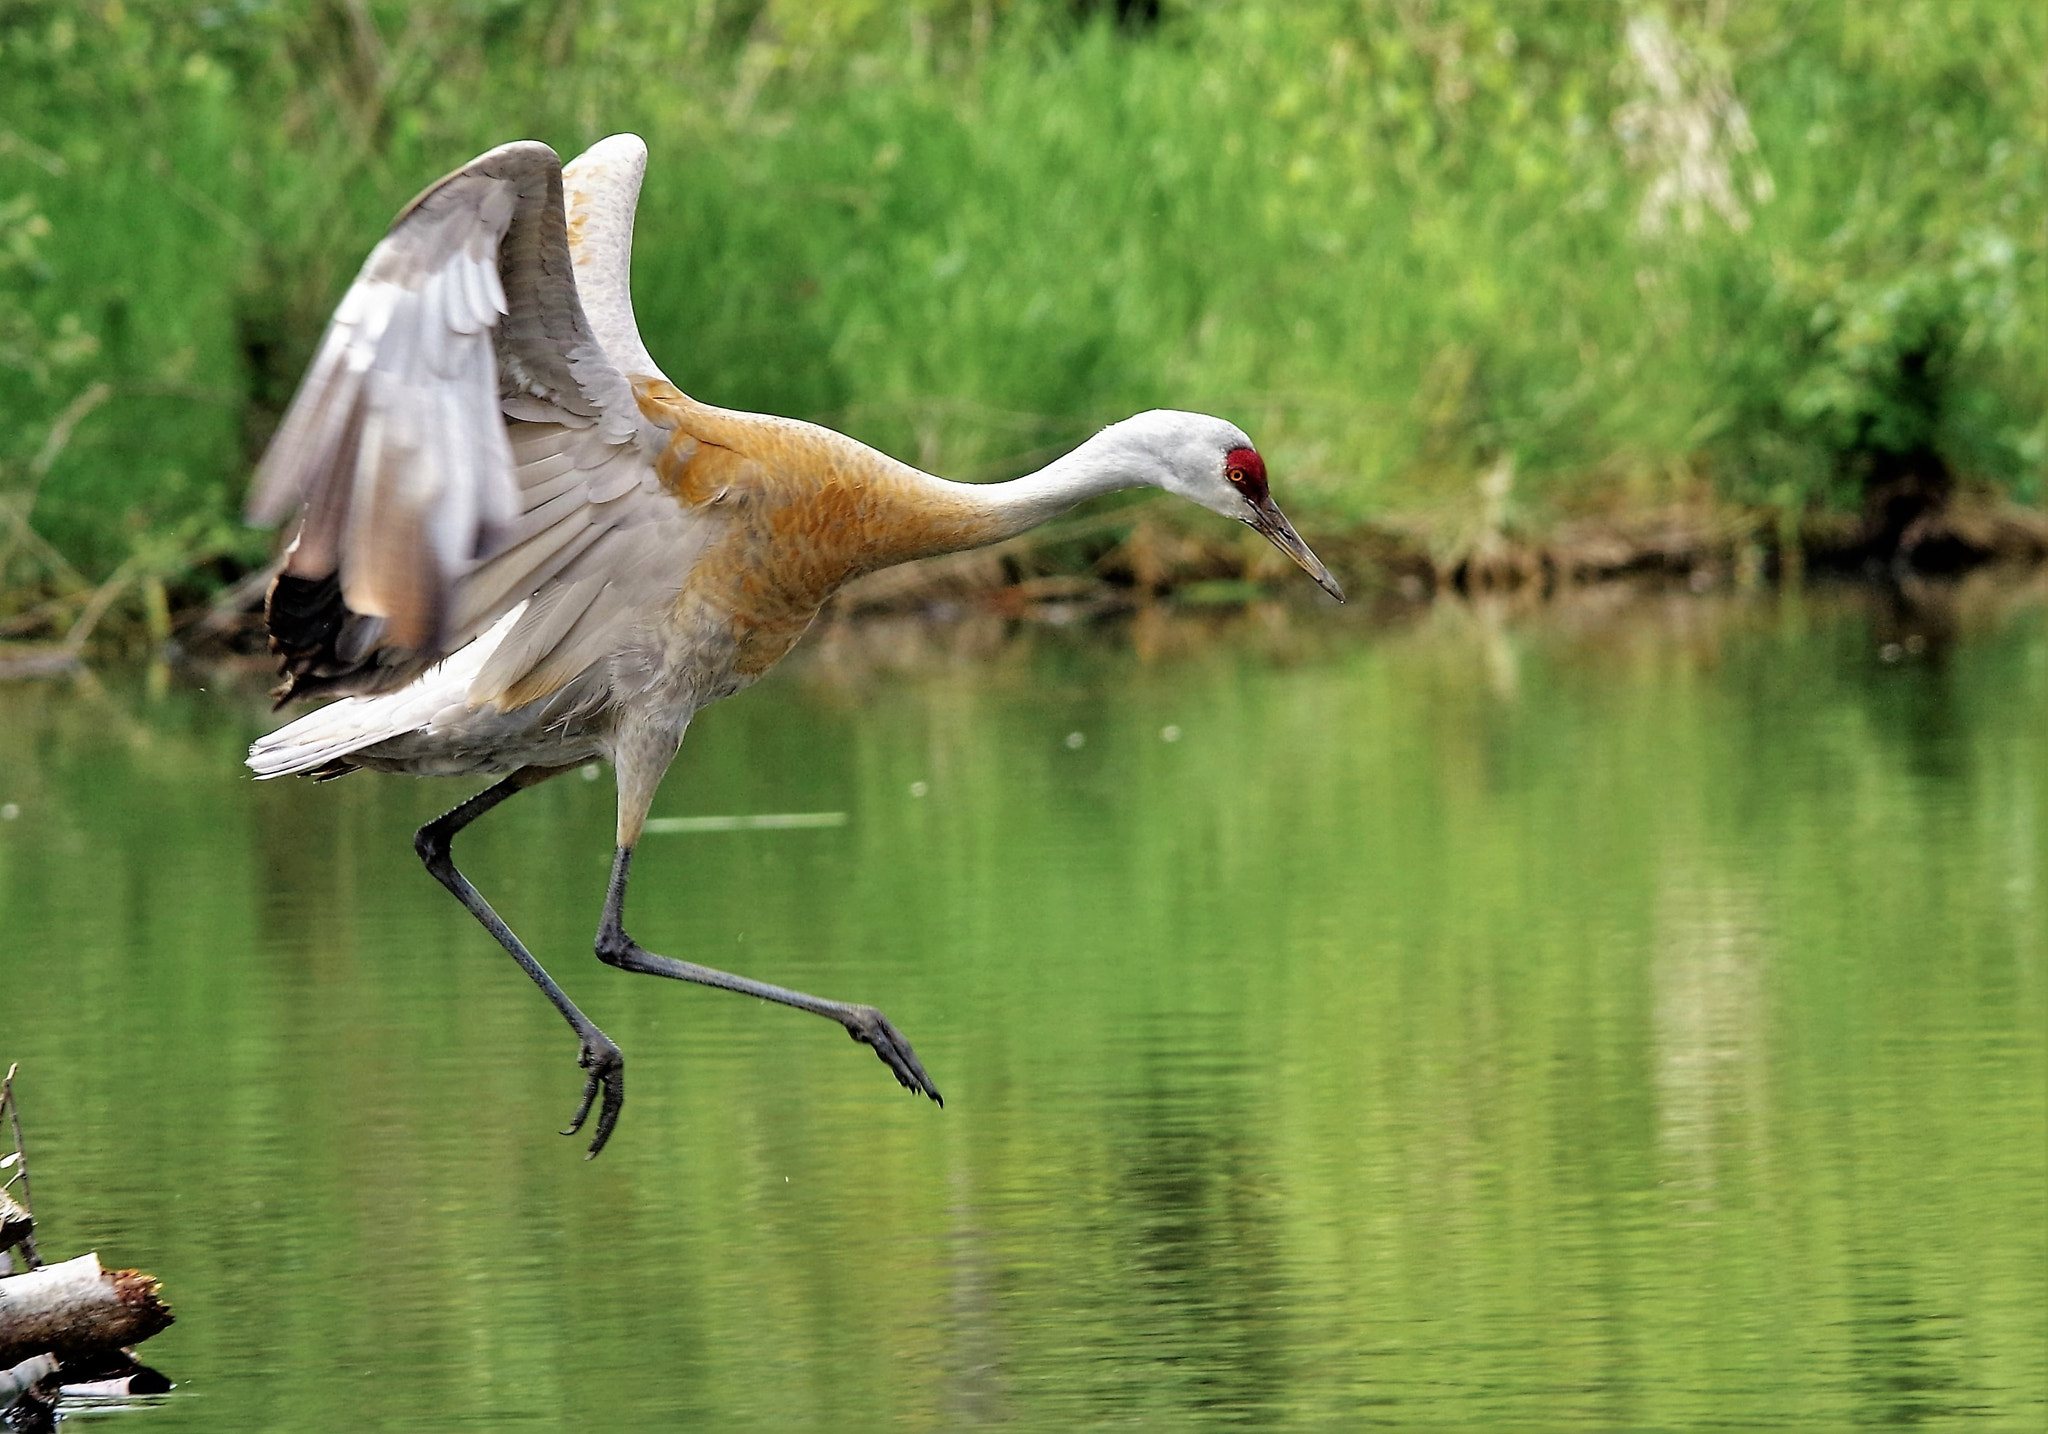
{"type": "Point", "coordinates": [433, 845]}
{"type": "Point", "coordinates": [613, 945]}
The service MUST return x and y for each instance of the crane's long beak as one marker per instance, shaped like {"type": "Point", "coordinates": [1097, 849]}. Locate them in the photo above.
{"type": "Point", "coordinates": [1268, 519]}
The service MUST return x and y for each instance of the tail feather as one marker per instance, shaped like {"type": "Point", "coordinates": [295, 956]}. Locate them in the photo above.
{"type": "Point", "coordinates": [319, 743]}
{"type": "Point", "coordinates": [322, 738]}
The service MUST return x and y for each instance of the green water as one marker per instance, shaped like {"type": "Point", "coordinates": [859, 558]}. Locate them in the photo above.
{"type": "Point", "coordinates": [1614, 1016]}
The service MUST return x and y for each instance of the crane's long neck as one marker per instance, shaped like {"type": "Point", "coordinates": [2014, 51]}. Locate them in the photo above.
{"type": "Point", "coordinates": [1106, 463]}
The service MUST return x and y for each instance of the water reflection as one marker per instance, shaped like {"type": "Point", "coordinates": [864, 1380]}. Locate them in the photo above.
{"type": "Point", "coordinates": [1194, 1220]}
{"type": "Point", "coordinates": [975, 1351]}
{"type": "Point", "coordinates": [1904, 1353]}
{"type": "Point", "coordinates": [1709, 971]}
{"type": "Point", "coordinates": [1625, 1014]}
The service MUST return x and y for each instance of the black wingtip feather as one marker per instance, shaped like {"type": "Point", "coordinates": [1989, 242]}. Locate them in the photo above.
{"type": "Point", "coordinates": [321, 647]}
{"type": "Point", "coordinates": [305, 616]}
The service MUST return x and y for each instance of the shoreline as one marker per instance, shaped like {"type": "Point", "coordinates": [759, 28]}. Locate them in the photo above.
{"type": "Point", "coordinates": [1132, 557]}
{"type": "Point", "coordinates": [1139, 557]}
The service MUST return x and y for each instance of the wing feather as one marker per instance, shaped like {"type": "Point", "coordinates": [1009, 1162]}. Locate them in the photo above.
{"type": "Point", "coordinates": [616, 483]}
{"type": "Point", "coordinates": [544, 470]}
{"type": "Point", "coordinates": [547, 490]}
{"type": "Point", "coordinates": [542, 624]}
{"type": "Point", "coordinates": [589, 638]}
{"type": "Point", "coordinates": [532, 565]}
{"type": "Point", "coordinates": [534, 441]}
{"type": "Point", "coordinates": [626, 591]}
{"type": "Point", "coordinates": [422, 520]}
{"type": "Point", "coordinates": [636, 540]}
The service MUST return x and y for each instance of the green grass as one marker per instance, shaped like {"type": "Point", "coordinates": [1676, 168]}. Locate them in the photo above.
{"type": "Point", "coordinates": [1402, 244]}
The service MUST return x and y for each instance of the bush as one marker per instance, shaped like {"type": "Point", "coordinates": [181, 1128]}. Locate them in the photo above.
{"type": "Point", "coordinates": [1611, 255]}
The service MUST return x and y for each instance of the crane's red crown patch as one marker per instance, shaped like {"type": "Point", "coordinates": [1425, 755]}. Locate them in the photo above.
{"type": "Point", "coordinates": [1246, 472]}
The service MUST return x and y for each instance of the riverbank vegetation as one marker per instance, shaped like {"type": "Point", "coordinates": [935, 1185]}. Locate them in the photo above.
{"type": "Point", "coordinates": [1473, 274]}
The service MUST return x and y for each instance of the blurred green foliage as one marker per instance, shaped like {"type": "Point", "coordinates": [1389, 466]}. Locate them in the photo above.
{"type": "Point", "coordinates": [1632, 251]}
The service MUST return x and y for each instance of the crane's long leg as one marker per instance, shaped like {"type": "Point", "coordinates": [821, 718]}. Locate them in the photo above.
{"type": "Point", "coordinates": [600, 1057]}
{"type": "Point", "coordinates": [864, 1023]}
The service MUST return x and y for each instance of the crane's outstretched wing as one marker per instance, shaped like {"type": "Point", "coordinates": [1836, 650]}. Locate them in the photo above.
{"type": "Point", "coordinates": [467, 440]}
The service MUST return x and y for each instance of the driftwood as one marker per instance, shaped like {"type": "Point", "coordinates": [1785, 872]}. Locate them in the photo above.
{"type": "Point", "coordinates": [77, 1311]}
{"type": "Point", "coordinates": [64, 1329]}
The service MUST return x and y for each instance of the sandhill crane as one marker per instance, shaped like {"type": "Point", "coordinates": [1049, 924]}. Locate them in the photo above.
{"type": "Point", "coordinates": [521, 549]}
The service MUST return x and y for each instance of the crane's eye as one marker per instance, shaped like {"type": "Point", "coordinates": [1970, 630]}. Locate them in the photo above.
{"type": "Point", "coordinates": [1246, 472]}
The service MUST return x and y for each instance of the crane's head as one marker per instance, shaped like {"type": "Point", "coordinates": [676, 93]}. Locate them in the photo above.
{"type": "Point", "coordinates": [1212, 462]}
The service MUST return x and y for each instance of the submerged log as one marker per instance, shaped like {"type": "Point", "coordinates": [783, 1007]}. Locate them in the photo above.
{"type": "Point", "coordinates": [77, 1310]}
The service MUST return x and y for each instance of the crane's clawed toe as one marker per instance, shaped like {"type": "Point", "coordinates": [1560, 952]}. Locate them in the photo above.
{"type": "Point", "coordinates": [607, 1067]}
{"type": "Point", "coordinates": [868, 1026]}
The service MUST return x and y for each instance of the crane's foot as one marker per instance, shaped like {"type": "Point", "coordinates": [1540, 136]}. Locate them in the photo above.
{"type": "Point", "coordinates": [607, 1067]}
{"type": "Point", "coordinates": [867, 1025]}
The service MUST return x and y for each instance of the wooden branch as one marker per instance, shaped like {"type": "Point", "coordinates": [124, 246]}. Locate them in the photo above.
{"type": "Point", "coordinates": [76, 1310]}
{"type": "Point", "coordinates": [16, 1160]}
